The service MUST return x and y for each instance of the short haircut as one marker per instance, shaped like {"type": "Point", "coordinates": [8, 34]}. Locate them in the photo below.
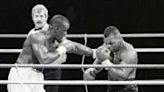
{"type": "Point", "coordinates": [111, 30]}
{"type": "Point", "coordinates": [39, 8]}
{"type": "Point", "coordinates": [60, 19]}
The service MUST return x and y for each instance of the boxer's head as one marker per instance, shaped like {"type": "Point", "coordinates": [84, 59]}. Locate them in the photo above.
{"type": "Point", "coordinates": [39, 15]}
{"type": "Point", "coordinates": [59, 25]}
{"type": "Point", "coordinates": [112, 37]}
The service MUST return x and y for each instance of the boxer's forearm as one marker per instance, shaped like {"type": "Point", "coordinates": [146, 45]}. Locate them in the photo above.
{"type": "Point", "coordinates": [119, 73]}
{"type": "Point", "coordinates": [49, 58]}
{"type": "Point", "coordinates": [82, 50]}
{"type": "Point", "coordinates": [52, 57]}
{"type": "Point", "coordinates": [97, 61]}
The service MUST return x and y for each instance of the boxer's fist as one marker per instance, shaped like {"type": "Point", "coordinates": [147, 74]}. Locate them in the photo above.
{"type": "Point", "coordinates": [103, 53]}
{"type": "Point", "coordinates": [89, 74]}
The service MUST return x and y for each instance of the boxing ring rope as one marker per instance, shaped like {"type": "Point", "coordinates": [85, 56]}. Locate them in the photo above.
{"type": "Point", "coordinates": [88, 82]}
{"type": "Point", "coordinates": [140, 35]}
{"type": "Point", "coordinates": [137, 49]}
{"type": "Point", "coordinates": [77, 66]}
{"type": "Point", "coordinates": [83, 59]}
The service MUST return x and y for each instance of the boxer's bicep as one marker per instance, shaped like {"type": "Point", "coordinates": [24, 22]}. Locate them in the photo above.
{"type": "Point", "coordinates": [38, 49]}
{"type": "Point", "coordinates": [41, 52]}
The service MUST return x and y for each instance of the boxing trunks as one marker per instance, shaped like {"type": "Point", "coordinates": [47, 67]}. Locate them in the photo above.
{"type": "Point", "coordinates": [25, 74]}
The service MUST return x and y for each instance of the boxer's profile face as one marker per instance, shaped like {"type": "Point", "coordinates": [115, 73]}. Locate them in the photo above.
{"type": "Point", "coordinates": [113, 41]}
{"type": "Point", "coordinates": [39, 18]}
{"type": "Point", "coordinates": [58, 31]}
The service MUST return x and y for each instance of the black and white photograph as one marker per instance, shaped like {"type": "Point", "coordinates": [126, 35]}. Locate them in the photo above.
{"type": "Point", "coordinates": [81, 45]}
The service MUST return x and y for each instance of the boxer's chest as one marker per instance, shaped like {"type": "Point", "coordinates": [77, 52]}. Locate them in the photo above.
{"type": "Point", "coordinates": [116, 58]}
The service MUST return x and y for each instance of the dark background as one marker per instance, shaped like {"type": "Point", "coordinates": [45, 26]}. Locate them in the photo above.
{"type": "Point", "coordinates": [91, 17]}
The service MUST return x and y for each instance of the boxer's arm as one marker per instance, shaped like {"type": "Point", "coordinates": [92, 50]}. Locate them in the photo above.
{"type": "Point", "coordinates": [123, 73]}
{"type": "Point", "coordinates": [82, 49]}
{"type": "Point", "coordinates": [41, 52]}
{"type": "Point", "coordinates": [91, 73]}
{"type": "Point", "coordinates": [77, 48]}
{"type": "Point", "coordinates": [97, 61]}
